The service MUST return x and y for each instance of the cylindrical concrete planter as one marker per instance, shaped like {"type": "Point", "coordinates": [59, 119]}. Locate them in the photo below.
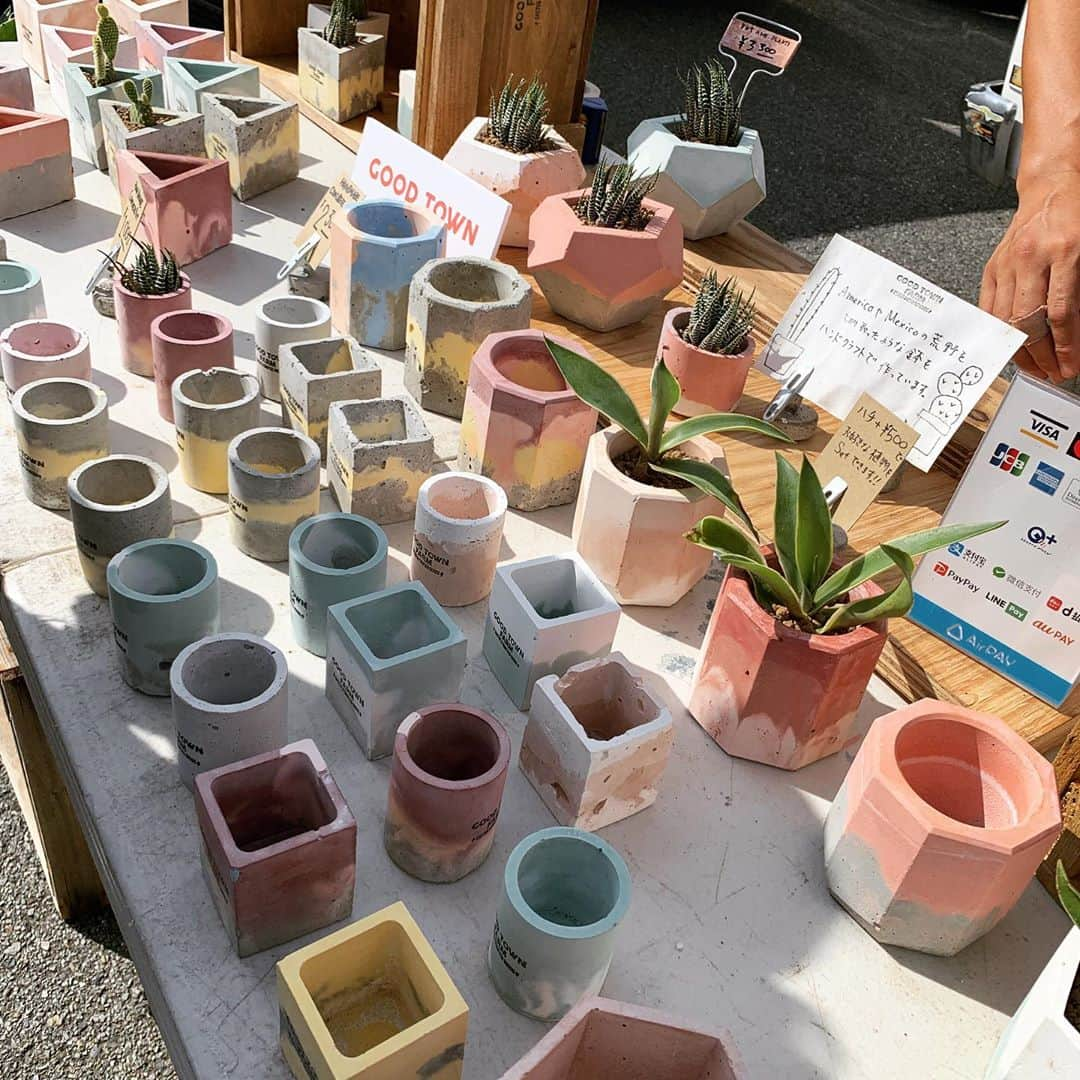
{"type": "Point", "coordinates": [164, 595]}
{"type": "Point", "coordinates": [564, 894]}
{"type": "Point", "coordinates": [332, 558]}
{"type": "Point", "coordinates": [230, 699]}
{"type": "Point", "coordinates": [446, 786]}
{"type": "Point", "coordinates": [210, 408]}
{"type": "Point", "coordinates": [43, 349]}
{"type": "Point", "coordinates": [376, 246]}
{"type": "Point", "coordinates": [21, 294]}
{"type": "Point", "coordinates": [453, 305]}
{"type": "Point", "coordinates": [59, 424]}
{"type": "Point", "coordinates": [116, 501]}
{"type": "Point", "coordinates": [457, 536]}
{"type": "Point", "coordinates": [273, 486]}
{"type": "Point", "coordinates": [135, 314]}
{"type": "Point", "coordinates": [282, 320]}
{"type": "Point", "coordinates": [187, 341]}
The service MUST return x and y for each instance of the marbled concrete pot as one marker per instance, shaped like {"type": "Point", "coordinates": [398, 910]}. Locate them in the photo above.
{"type": "Point", "coordinates": [116, 501]}
{"type": "Point", "coordinates": [21, 294]}
{"type": "Point", "coordinates": [16, 89]}
{"type": "Point", "coordinates": [454, 304]}
{"type": "Point", "coordinates": [135, 315]}
{"type": "Point", "coordinates": [43, 349]}
{"type": "Point", "coordinates": [187, 341]}
{"type": "Point", "coordinates": [564, 894]}
{"type": "Point", "coordinates": [158, 40]}
{"type": "Point", "coordinates": [387, 655]}
{"type": "Point", "coordinates": [32, 16]}
{"type": "Point", "coordinates": [258, 138]}
{"type": "Point", "coordinates": [68, 45]}
{"type": "Point", "coordinates": [340, 83]}
{"type": "Point", "coordinates": [188, 81]}
{"type": "Point", "coordinates": [283, 320]}
{"type": "Point", "coordinates": [446, 787]}
{"type": "Point", "coordinates": [128, 12]}
{"type": "Point", "coordinates": [939, 826]}
{"type": "Point", "coordinates": [522, 425]}
{"type": "Point", "coordinates": [178, 133]}
{"type": "Point", "coordinates": [35, 162]}
{"type": "Point", "coordinates": [278, 846]}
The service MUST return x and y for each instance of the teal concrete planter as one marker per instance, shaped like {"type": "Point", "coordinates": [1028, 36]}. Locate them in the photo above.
{"type": "Point", "coordinates": [186, 81]}
{"type": "Point", "coordinates": [21, 294]}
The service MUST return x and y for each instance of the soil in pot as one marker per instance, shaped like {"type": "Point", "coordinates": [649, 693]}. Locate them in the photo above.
{"type": "Point", "coordinates": [635, 465]}
{"type": "Point", "coordinates": [158, 120]}
{"type": "Point", "coordinates": [543, 148]}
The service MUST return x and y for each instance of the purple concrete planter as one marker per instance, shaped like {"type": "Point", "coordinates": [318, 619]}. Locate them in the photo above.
{"type": "Point", "coordinates": [135, 313]}
{"type": "Point", "coordinates": [187, 341]}
{"type": "Point", "coordinates": [43, 349]}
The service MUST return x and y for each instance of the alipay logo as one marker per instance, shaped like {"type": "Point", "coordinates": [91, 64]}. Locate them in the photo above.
{"type": "Point", "coordinates": [956, 549]}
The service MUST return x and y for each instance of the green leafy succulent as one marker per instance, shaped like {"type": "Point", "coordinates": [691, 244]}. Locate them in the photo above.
{"type": "Point", "coordinates": [711, 113]}
{"type": "Point", "coordinates": [1068, 894]}
{"type": "Point", "coordinates": [340, 30]}
{"type": "Point", "coordinates": [614, 199]}
{"type": "Point", "coordinates": [517, 118]}
{"type": "Point", "coordinates": [104, 45]}
{"type": "Point", "coordinates": [149, 275]}
{"type": "Point", "coordinates": [721, 318]}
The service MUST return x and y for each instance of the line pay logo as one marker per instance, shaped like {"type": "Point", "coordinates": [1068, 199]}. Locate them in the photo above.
{"type": "Point", "coordinates": [1009, 459]}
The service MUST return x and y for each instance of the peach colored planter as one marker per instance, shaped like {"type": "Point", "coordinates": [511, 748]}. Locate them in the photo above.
{"type": "Point", "coordinates": [158, 40]}
{"type": "Point", "coordinates": [32, 15]}
{"type": "Point", "coordinates": [43, 349]}
{"type": "Point", "coordinates": [187, 341]}
{"type": "Point", "coordinates": [939, 826]}
{"type": "Point", "coordinates": [710, 382]}
{"type": "Point", "coordinates": [16, 89]}
{"type": "Point", "coordinates": [603, 278]}
{"type": "Point", "coordinates": [134, 316]}
{"type": "Point", "coordinates": [35, 162]}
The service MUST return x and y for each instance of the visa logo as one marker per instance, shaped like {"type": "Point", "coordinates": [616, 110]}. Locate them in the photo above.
{"type": "Point", "coordinates": [1044, 429]}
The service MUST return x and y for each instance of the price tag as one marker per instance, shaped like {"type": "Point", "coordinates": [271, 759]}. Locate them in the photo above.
{"type": "Point", "coordinates": [315, 235]}
{"type": "Point", "coordinates": [763, 40]}
{"type": "Point", "coordinates": [130, 216]}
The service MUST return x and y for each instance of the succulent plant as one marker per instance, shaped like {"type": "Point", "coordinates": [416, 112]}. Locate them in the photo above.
{"type": "Point", "coordinates": [7, 24]}
{"type": "Point", "coordinates": [1068, 894]}
{"type": "Point", "coordinates": [710, 111]}
{"type": "Point", "coordinates": [721, 317]}
{"type": "Point", "coordinates": [517, 117]}
{"type": "Point", "coordinates": [614, 199]}
{"type": "Point", "coordinates": [149, 275]}
{"type": "Point", "coordinates": [106, 40]}
{"type": "Point", "coordinates": [341, 29]}
{"type": "Point", "coordinates": [141, 110]}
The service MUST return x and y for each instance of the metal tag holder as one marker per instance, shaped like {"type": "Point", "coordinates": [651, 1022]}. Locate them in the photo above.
{"type": "Point", "coordinates": [766, 45]}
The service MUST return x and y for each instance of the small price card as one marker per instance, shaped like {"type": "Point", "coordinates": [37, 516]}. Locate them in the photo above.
{"type": "Point", "coordinates": [763, 40]}
{"type": "Point", "coordinates": [130, 216]}
{"type": "Point", "coordinates": [341, 192]}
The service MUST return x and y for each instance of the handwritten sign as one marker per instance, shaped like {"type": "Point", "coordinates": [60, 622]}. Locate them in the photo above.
{"type": "Point", "coordinates": [865, 324]}
{"type": "Point", "coordinates": [130, 216]}
{"type": "Point", "coordinates": [340, 193]}
{"type": "Point", "coordinates": [759, 38]}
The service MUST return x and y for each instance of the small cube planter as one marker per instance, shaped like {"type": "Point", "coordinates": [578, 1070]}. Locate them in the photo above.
{"type": "Point", "coordinates": [282, 320]}
{"type": "Point", "coordinates": [172, 133]}
{"type": "Point", "coordinates": [16, 89]}
{"type": "Point", "coordinates": [158, 40]}
{"type": "Point", "coordinates": [67, 45]}
{"type": "Point", "coordinates": [596, 744]}
{"type": "Point", "coordinates": [43, 349]}
{"type": "Point", "coordinates": [21, 294]}
{"type": "Point", "coordinates": [340, 83]}
{"type": "Point", "coordinates": [544, 616]}
{"type": "Point", "coordinates": [35, 162]}
{"type": "Point", "coordinates": [257, 138]}
{"type": "Point", "coordinates": [371, 1002]}
{"type": "Point", "coordinates": [387, 655]}
{"type": "Point", "coordinates": [453, 305]}
{"type": "Point", "coordinates": [135, 315]}
{"type": "Point", "coordinates": [128, 12]}
{"type": "Point", "coordinates": [380, 452]}
{"type": "Point", "coordinates": [187, 341]}
{"type": "Point", "coordinates": [278, 846]}
{"type": "Point", "coordinates": [32, 16]}
{"type": "Point", "coordinates": [522, 425]}
{"type": "Point", "coordinates": [187, 81]}
{"type": "Point", "coordinates": [939, 826]}
{"type": "Point", "coordinates": [446, 787]}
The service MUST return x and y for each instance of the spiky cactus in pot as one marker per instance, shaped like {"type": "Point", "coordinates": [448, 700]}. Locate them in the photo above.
{"type": "Point", "coordinates": [149, 275]}
{"type": "Point", "coordinates": [341, 29]}
{"type": "Point", "coordinates": [141, 111]}
{"type": "Point", "coordinates": [517, 117]}
{"type": "Point", "coordinates": [106, 40]}
{"type": "Point", "coordinates": [615, 198]}
{"type": "Point", "coordinates": [711, 113]}
{"type": "Point", "coordinates": [721, 317]}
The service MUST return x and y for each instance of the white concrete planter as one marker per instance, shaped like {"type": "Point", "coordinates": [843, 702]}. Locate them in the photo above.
{"type": "Point", "coordinates": [406, 102]}
{"type": "Point", "coordinates": [43, 349]}
{"type": "Point", "coordinates": [259, 139]}
{"type": "Point", "coordinates": [282, 320]}
{"type": "Point", "coordinates": [21, 294]}
{"type": "Point", "coordinates": [180, 133]}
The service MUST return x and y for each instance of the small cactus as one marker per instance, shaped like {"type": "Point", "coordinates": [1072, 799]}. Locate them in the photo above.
{"type": "Point", "coordinates": [614, 200]}
{"type": "Point", "coordinates": [149, 276]}
{"type": "Point", "coordinates": [710, 112]}
{"type": "Point", "coordinates": [517, 117]}
{"type": "Point", "coordinates": [721, 317]}
{"type": "Point", "coordinates": [341, 29]}
{"type": "Point", "coordinates": [141, 111]}
{"type": "Point", "coordinates": [106, 40]}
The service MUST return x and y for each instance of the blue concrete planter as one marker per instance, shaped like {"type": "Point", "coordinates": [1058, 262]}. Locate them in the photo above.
{"type": "Point", "coordinates": [21, 294]}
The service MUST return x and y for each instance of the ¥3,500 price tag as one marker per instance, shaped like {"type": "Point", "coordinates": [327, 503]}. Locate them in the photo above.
{"type": "Point", "coordinates": [130, 216]}
{"type": "Point", "coordinates": [317, 227]}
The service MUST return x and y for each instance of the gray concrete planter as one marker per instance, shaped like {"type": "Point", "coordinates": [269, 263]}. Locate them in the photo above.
{"type": "Point", "coordinates": [259, 139]}
{"type": "Point", "coordinates": [340, 83]}
{"type": "Point", "coordinates": [282, 320]}
{"type": "Point", "coordinates": [180, 133]}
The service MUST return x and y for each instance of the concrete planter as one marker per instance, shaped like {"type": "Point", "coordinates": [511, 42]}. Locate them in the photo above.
{"type": "Point", "coordinates": [633, 534]}
{"type": "Point", "coordinates": [273, 486]}
{"type": "Point", "coordinates": [21, 294]}
{"type": "Point", "coordinates": [283, 320]}
{"type": "Point", "coordinates": [258, 139]}
{"type": "Point", "coordinates": [32, 16]}
{"type": "Point", "coordinates": [35, 162]}
{"type": "Point", "coordinates": [187, 341]}
{"type": "Point", "coordinates": [544, 616]}
{"type": "Point", "coordinates": [332, 558]}
{"type": "Point", "coordinates": [163, 595]}
{"type": "Point", "coordinates": [43, 349]}
{"type": "Point", "coordinates": [371, 1001]}
{"type": "Point", "coordinates": [406, 102]}
{"type": "Point", "coordinates": [446, 787]}
{"type": "Point", "coordinates": [188, 81]}
{"type": "Point", "coordinates": [135, 315]}
{"type": "Point", "coordinates": [379, 453]}
{"type": "Point", "coordinates": [711, 188]}
{"type": "Point", "coordinates": [315, 374]}
{"type": "Point", "coordinates": [59, 424]}
{"type": "Point", "coordinates": [173, 133]}
{"type": "Point", "coordinates": [453, 305]}
{"type": "Point", "coordinates": [564, 894]}
{"type": "Point", "coordinates": [710, 382]}
{"type": "Point", "coordinates": [159, 40]}
{"type": "Point", "coordinates": [376, 247]}
{"type": "Point", "coordinates": [340, 83]}
{"type": "Point", "coordinates": [128, 12]}
{"type": "Point", "coordinates": [67, 45]}
{"type": "Point", "coordinates": [377, 22]}
{"type": "Point", "coordinates": [278, 846]}
{"type": "Point", "coordinates": [387, 655]}
{"type": "Point", "coordinates": [116, 501]}
{"type": "Point", "coordinates": [210, 408]}
{"type": "Point", "coordinates": [230, 701]}
{"type": "Point", "coordinates": [457, 536]}
{"type": "Point", "coordinates": [603, 278]}
{"type": "Point", "coordinates": [522, 425]}
{"type": "Point", "coordinates": [596, 744]}
{"type": "Point", "coordinates": [16, 89]}
{"type": "Point", "coordinates": [523, 180]}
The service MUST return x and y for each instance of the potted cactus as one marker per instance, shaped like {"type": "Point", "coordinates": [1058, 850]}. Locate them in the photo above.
{"type": "Point", "coordinates": [514, 152]}
{"type": "Point", "coordinates": [712, 168]}
{"type": "Point", "coordinates": [8, 31]}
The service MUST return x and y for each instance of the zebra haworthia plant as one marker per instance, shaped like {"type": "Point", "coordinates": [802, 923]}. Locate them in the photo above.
{"type": "Point", "coordinates": [517, 117]}
{"type": "Point", "coordinates": [721, 317]}
{"type": "Point", "coordinates": [149, 275]}
{"type": "Point", "coordinates": [711, 113]}
{"type": "Point", "coordinates": [614, 199]}
{"type": "Point", "coordinates": [341, 28]}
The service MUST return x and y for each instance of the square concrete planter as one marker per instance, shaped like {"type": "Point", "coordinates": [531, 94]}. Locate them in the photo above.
{"type": "Point", "coordinates": [545, 615]}
{"type": "Point", "coordinates": [388, 654]}
{"type": "Point", "coordinates": [258, 138]}
{"type": "Point", "coordinates": [32, 16]}
{"type": "Point", "coordinates": [173, 133]}
{"type": "Point", "coordinates": [371, 1002]}
{"type": "Point", "coordinates": [278, 846]}
{"type": "Point", "coordinates": [340, 83]}
{"type": "Point", "coordinates": [66, 45]}
{"type": "Point", "coordinates": [186, 81]}
{"type": "Point", "coordinates": [128, 12]}
{"type": "Point", "coordinates": [377, 22]}
{"type": "Point", "coordinates": [16, 89]}
{"type": "Point", "coordinates": [158, 40]}
{"type": "Point", "coordinates": [315, 374]}
{"type": "Point", "coordinates": [711, 188]}
{"type": "Point", "coordinates": [35, 162]}
{"type": "Point", "coordinates": [380, 452]}
{"type": "Point", "coordinates": [596, 744]}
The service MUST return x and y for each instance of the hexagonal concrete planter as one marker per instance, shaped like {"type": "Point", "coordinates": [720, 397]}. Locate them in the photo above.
{"type": "Point", "coordinates": [258, 138]}
{"type": "Point", "coordinates": [16, 89]}
{"type": "Point", "coordinates": [939, 826]}
{"type": "Point", "coordinates": [35, 162]}
{"type": "Point", "coordinates": [711, 188]}
{"type": "Point", "coordinates": [158, 40]}
{"type": "Point", "coordinates": [32, 16]}
{"type": "Point", "coordinates": [188, 81]}
{"type": "Point", "coordinates": [67, 45]}
{"type": "Point", "coordinates": [340, 83]}
{"type": "Point", "coordinates": [43, 349]}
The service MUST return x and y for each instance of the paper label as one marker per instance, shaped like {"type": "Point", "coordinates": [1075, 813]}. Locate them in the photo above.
{"type": "Point", "coordinates": [340, 193]}
{"type": "Point", "coordinates": [748, 35]}
{"type": "Point", "coordinates": [130, 216]}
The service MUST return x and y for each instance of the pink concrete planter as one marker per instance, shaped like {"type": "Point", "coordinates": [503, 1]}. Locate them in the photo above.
{"type": "Point", "coordinates": [35, 162]}
{"type": "Point", "coordinates": [522, 425]}
{"type": "Point", "coordinates": [603, 278]}
{"type": "Point", "coordinates": [710, 382]}
{"type": "Point", "coordinates": [446, 786]}
{"type": "Point", "coordinates": [32, 16]}
{"type": "Point", "coordinates": [134, 316]}
{"type": "Point", "coordinates": [939, 826]}
{"type": "Point", "coordinates": [68, 45]}
{"type": "Point", "coordinates": [43, 349]}
{"type": "Point", "coordinates": [158, 40]}
{"type": "Point", "coordinates": [16, 89]}
{"type": "Point", "coordinates": [279, 846]}
{"type": "Point", "coordinates": [770, 693]}
{"type": "Point", "coordinates": [187, 341]}
{"type": "Point", "coordinates": [128, 12]}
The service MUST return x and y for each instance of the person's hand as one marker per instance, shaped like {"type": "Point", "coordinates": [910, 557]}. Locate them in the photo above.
{"type": "Point", "coordinates": [1038, 263]}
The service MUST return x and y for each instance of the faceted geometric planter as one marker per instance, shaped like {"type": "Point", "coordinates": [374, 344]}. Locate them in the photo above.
{"type": "Point", "coordinates": [129, 12]}
{"type": "Point", "coordinates": [596, 744]}
{"type": "Point", "coordinates": [453, 305]}
{"type": "Point", "coordinates": [564, 894]}
{"type": "Point", "coordinates": [158, 40]}
{"type": "Point", "coordinates": [35, 162]}
{"type": "Point", "coordinates": [544, 616]}
{"type": "Point", "coordinates": [521, 424]}
{"type": "Point", "coordinates": [172, 133]}
{"type": "Point", "coordinates": [340, 83]}
{"type": "Point", "coordinates": [16, 89]}
{"type": "Point", "coordinates": [380, 452]}
{"type": "Point", "coordinates": [259, 139]}
{"type": "Point", "coordinates": [65, 45]}
{"type": "Point", "coordinates": [32, 16]}
{"type": "Point", "coordinates": [446, 787]}
{"type": "Point", "coordinates": [371, 1002]}
{"type": "Point", "coordinates": [21, 294]}
{"type": "Point", "coordinates": [712, 188]}
{"type": "Point", "coordinates": [187, 341]}
{"type": "Point", "coordinates": [387, 655]}
{"type": "Point", "coordinates": [43, 349]}
{"type": "Point", "coordinates": [279, 846]}
{"type": "Point", "coordinates": [186, 81]}
{"type": "Point", "coordinates": [939, 825]}
{"type": "Point", "coordinates": [135, 315]}
{"type": "Point", "coordinates": [282, 320]}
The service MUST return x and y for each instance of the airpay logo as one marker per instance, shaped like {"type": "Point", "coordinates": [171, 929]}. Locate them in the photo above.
{"type": "Point", "coordinates": [1009, 459]}
{"type": "Point", "coordinates": [1044, 429]}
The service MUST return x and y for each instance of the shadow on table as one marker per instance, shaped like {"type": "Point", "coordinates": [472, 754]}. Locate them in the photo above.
{"type": "Point", "coordinates": [294, 201]}
{"type": "Point", "coordinates": [126, 440]}
{"type": "Point", "coordinates": [236, 274]}
{"type": "Point", "coordinates": [245, 611]}
{"type": "Point", "coordinates": [115, 389]}
{"type": "Point", "coordinates": [67, 227]}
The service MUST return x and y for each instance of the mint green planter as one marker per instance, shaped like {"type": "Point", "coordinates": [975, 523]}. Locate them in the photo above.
{"type": "Point", "coordinates": [186, 81]}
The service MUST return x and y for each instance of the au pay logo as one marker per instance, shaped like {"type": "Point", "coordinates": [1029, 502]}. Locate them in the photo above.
{"type": "Point", "coordinates": [1044, 429]}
